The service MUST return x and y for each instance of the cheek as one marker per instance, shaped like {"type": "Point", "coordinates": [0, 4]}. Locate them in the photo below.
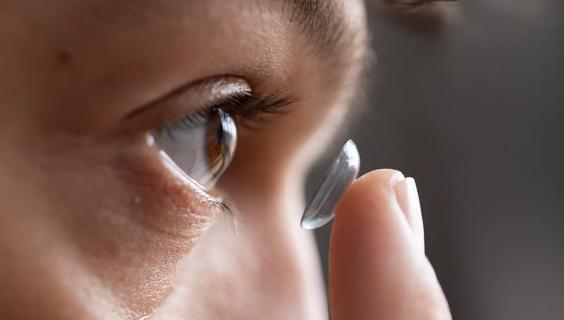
{"type": "Point", "coordinates": [126, 219]}
{"type": "Point", "coordinates": [260, 262]}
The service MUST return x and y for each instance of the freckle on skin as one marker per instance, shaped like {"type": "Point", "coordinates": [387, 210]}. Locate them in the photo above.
{"type": "Point", "coordinates": [64, 58]}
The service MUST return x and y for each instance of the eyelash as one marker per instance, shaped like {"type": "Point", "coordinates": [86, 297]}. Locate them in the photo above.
{"type": "Point", "coordinates": [249, 110]}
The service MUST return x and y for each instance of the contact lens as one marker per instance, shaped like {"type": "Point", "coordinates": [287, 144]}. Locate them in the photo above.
{"type": "Point", "coordinates": [339, 177]}
{"type": "Point", "coordinates": [201, 145]}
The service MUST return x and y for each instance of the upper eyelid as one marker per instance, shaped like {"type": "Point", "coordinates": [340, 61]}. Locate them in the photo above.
{"type": "Point", "coordinates": [248, 108]}
{"type": "Point", "coordinates": [237, 98]}
{"type": "Point", "coordinates": [183, 100]}
{"type": "Point", "coordinates": [254, 105]}
{"type": "Point", "coordinates": [201, 92]}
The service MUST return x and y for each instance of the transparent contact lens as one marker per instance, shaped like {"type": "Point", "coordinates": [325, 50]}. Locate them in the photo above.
{"type": "Point", "coordinates": [202, 145]}
{"type": "Point", "coordinates": [339, 177]}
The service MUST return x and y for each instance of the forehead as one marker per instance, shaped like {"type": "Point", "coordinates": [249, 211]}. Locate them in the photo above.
{"type": "Point", "coordinates": [322, 23]}
{"type": "Point", "coordinates": [124, 38]}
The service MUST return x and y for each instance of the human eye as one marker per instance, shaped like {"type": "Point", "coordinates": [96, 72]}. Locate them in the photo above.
{"type": "Point", "coordinates": [201, 145]}
{"type": "Point", "coordinates": [197, 127]}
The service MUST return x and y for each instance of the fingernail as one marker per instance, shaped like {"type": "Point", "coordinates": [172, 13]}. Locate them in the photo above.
{"type": "Point", "coordinates": [408, 200]}
{"type": "Point", "coordinates": [339, 177]}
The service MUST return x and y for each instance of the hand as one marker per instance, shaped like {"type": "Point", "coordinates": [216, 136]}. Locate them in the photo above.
{"type": "Point", "coordinates": [378, 268]}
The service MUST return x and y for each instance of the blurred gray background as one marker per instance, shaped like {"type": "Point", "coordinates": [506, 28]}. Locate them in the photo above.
{"type": "Point", "coordinates": [470, 103]}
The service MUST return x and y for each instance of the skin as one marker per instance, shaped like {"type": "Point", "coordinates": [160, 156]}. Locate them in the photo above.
{"type": "Point", "coordinates": [94, 226]}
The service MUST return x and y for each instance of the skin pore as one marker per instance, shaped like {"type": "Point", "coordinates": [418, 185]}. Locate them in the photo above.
{"type": "Point", "coordinates": [94, 226]}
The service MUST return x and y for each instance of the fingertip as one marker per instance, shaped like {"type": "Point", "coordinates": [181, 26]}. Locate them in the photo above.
{"type": "Point", "coordinates": [387, 191]}
{"type": "Point", "coordinates": [380, 176]}
{"type": "Point", "coordinates": [373, 192]}
{"type": "Point", "coordinates": [368, 239]}
{"type": "Point", "coordinates": [376, 268]}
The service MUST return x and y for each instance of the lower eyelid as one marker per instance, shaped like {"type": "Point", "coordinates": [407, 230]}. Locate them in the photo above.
{"type": "Point", "coordinates": [160, 201]}
{"type": "Point", "coordinates": [209, 196]}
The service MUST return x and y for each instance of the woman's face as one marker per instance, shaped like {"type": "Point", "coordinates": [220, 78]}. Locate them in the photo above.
{"type": "Point", "coordinates": [95, 224]}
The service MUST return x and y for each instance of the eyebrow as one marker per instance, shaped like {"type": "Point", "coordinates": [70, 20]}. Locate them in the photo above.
{"type": "Point", "coordinates": [321, 24]}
